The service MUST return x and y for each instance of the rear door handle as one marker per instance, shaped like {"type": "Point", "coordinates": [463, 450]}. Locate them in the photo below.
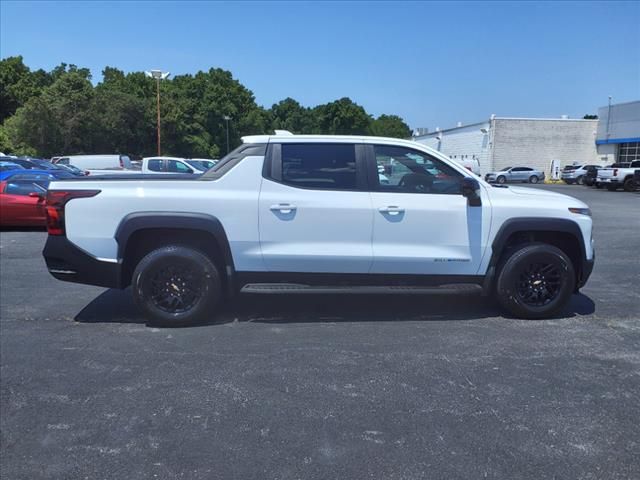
{"type": "Point", "coordinates": [391, 210]}
{"type": "Point", "coordinates": [282, 208]}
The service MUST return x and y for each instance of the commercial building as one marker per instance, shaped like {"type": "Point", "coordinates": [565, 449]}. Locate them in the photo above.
{"type": "Point", "coordinates": [618, 138]}
{"type": "Point", "coordinates": [501, 142]}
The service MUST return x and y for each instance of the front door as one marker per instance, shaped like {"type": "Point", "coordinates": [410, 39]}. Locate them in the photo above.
{"type": "Point", "coordinates": [422, 223]}
{"type": "Point", "coordinates": [314, 211]}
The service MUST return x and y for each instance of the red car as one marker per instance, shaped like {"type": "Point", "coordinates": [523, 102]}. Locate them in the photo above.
{"type": "Point", "coordinates": [22, 203]}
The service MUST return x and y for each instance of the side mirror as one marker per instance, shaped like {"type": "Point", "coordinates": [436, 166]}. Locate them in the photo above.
{"type": "Point", "coordinates": [36, 195]}
{"type": "Point", "coordinates": [471, 190]}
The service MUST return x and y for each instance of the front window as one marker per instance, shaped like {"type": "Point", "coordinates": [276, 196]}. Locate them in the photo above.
{"type": "Point", "coordinates": [176, 166]}
{"type": "Point", "coordinates": [202, 165]}
{"type": "Point", "coordinates": [25, 187]}
{"type": "Point", "coordinates": [404, 170]}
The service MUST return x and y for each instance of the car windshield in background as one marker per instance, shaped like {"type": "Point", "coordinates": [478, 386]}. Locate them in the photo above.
{"type": "Point", "coordinates": [569, 168]}
{"type": "Point", "coordinates": [201, 164]}
{"type": "Point", "coordinates": [505, 169]}
{"type": "Point", "coordinates": [10, 166]}
{"type": "Point", "coordinates": [44, 165]}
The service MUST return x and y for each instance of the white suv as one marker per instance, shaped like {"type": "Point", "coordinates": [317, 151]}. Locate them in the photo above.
{"type": "Point", "coordinates": [319, 214]}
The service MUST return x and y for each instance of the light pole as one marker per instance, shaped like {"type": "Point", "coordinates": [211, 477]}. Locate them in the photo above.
{"type": "Point", "coordinates": [227, 118]}
{"type": "Point", "coordinates": [158, 75]}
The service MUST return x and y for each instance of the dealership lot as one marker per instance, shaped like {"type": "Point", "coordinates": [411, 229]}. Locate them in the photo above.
{"type": "Point", "coordinates": [324, 387]}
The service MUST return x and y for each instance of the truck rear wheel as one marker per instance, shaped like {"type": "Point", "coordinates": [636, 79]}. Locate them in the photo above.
{"type": "Point", "coordinates": [535, 281]}
{"type": "Point", "coordinates": [629, 185]}
{"type": "Point", "coordinates": [176, 286]}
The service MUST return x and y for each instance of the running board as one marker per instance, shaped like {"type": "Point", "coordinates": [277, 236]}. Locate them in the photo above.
{"type": "Point", "coordinates": [290, 288]}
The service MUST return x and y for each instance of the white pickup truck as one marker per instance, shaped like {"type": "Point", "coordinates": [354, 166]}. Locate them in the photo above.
{"type": "Point", "coordinates": [310, 214]}
{"type": "Point", "coordinates": [619, 175]}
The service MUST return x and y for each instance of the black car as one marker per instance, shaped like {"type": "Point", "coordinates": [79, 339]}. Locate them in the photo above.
{"type": "Point", "coordinates": [591, 176]}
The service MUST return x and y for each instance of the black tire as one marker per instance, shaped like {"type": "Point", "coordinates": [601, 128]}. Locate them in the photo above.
{"type": "Point", "coordinates": [501, 180]}
{"type": "Point", "coordinates": [580, 180]}
{"type": "Point", "coordinates": [612, 188]}
{"type": "Point", "coordinates": [535, 281]}
{"type": "Point", "coordinates": [533, 179]}
{"type": "Point", "coordinates": [568, 182]}
{"type": "Point", "coordinates": [598, 185]}
{"type": "Point", "coordinates": [629, 185]}
{"type": "Point", "coordinates": [176, 286]}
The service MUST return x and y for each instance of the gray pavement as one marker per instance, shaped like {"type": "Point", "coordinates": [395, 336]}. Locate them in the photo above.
{"type": "Point", "coordinates": [324, 387]}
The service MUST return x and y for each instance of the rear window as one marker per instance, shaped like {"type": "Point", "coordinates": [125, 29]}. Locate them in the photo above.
{"type": "Point", "coordinates": [325, 166]}
{"type": "Point", "coordinates": [155, 165]}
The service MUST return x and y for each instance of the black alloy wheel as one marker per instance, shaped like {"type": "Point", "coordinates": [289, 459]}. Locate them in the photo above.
{"type": "Point", "coordinates": [176, 285]}
{"type": "Point", "coordinates": [539, 284]}
{"type": "Point", "coordinates": [535, 281]}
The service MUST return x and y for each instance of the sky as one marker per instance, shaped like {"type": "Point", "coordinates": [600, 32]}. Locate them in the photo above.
{"type": "Point", "coordinates": [432, 63]}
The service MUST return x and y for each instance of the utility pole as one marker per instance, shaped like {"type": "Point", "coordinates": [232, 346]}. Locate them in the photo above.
{"type": "Point", "coordinates": [158, 75]}
{"type": "Point", "coordinates": [227, 118]}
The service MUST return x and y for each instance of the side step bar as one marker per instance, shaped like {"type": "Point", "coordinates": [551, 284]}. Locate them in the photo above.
{"type": "Point", "coordinates": [290, 288]}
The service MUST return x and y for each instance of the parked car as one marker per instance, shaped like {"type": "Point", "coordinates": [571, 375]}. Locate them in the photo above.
{"type": "Point", "coordinates": [22, 198]}
{"type": "Point", "coordinates": [307, 214]}
{"type": "Point", "coordinates": [73, 169]}
{"type": "Point", "coordinates": [636, 178]}
{"type": "Point", "coordinates": [39, 164]}
{"type": "Point", "coordinates": [577, 173]}
{"type": "Point", "coordinates": [9, 166]}
{"type": "Point", "coordinates": [167, 165]}
{"type": "Point", "coordinates": [97, 162]}
{"type": "Point", "coordinates": [33, 174]}
{"type": "Point", "coordinates": [620, 175]}
{"type": "Point", "coordinates": [515, 174]}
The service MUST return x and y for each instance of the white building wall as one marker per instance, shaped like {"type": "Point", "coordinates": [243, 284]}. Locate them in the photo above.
{"type": "Point", "coordinates": [536, 142]}
{"type": "Point", "coordinates": [462, 143]}
{"type": "Point", "coordinates": [607, 153]}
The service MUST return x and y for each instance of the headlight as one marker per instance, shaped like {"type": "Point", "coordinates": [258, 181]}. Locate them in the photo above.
{"type": "Point", "coordinates": [580, 211]}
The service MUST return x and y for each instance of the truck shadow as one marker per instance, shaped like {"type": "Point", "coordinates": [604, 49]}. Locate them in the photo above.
{"type": "Point", "coordinates": [116, 306]}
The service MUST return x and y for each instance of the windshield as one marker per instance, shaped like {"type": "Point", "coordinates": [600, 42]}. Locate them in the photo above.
{"type": "Point", "coordinates": [44, 165]}
{"type": "Point", "coordinates": [568, 168]}
{"type": "Point", "coordinates": [201, 164]}
{"type": "Point", "coordinates": [505, 169]}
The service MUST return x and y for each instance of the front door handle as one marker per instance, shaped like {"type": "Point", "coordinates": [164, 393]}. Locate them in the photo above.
{"type": "Point", "coordinates": [391, 210]}
{"type": "Point", "coordinates": [282, 208]}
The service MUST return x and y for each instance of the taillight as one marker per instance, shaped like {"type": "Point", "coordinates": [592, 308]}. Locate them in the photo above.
{"type": "Point", "coordinates": [121, 163]}
{"type": "Point", "coordinates": [56, 200]}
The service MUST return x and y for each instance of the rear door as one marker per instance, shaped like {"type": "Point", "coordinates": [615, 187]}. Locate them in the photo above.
{"type": "Point", "coordinates": [422, 223]}
{"type": "Point", "coordinates": [314, 211]}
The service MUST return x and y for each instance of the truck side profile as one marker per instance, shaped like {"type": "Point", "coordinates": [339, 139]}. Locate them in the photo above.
{"type": "Point", "coordinates": [310, 214]}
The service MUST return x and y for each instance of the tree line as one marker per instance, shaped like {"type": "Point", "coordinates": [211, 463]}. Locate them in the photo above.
{"type": "Point", "coordinates": [60, 112]}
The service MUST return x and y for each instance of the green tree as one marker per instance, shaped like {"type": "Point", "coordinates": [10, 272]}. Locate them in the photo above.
{"type": "Point", "coordinates": [389, 126]}
{"type": "Point", "coordinates": [18, 84]}
{"type": "Point", "coordinates": [288, 114]}
{"type": "Point", "coordinates": [342, 117]}
{"type": "Point", "coordinates": [58, 121]}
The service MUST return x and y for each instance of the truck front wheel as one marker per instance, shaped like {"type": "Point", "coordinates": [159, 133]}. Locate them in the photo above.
{"type": "Point", "coordinates": [176, 286]}
{"type": "Point", "coordinates": [535, 281]}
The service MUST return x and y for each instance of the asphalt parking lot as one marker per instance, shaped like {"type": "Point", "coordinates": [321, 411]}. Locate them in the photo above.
{"type": "Point", "coordinates": [324, 387]}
